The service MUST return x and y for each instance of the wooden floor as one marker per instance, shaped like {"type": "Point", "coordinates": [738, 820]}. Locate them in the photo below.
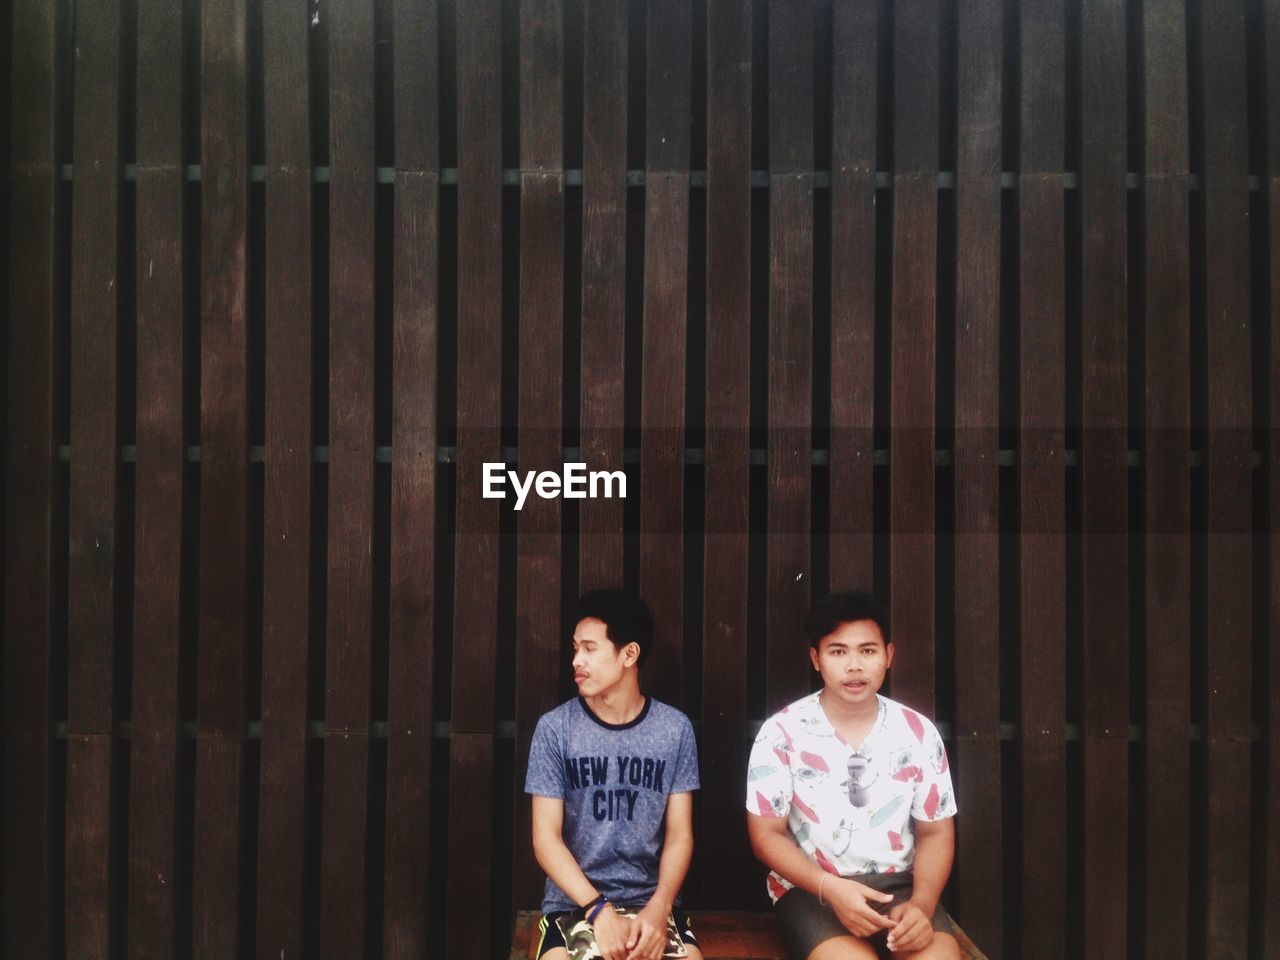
{"type": "Point", "coordinates": [722, 935]}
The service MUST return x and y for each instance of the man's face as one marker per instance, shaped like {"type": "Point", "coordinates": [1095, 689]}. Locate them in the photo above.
{"type": "Point", "coordinates": [598, 665]}
{"type": "Point", "coordinates": [853, 660]}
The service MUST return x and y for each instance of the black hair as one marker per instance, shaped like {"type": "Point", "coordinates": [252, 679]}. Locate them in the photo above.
{"type": "Point", "coordinates": [626, 618]}
{"type": "Point", "coordinates": [826, 615]}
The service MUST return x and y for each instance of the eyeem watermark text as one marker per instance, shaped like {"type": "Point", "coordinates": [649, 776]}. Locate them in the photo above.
{"type": "Point", "coordinates": [574, 483]}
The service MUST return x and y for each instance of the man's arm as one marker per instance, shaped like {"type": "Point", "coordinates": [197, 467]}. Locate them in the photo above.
{"type": "Point", "coordinates": [649, 934]}
{"type": "Point", "coordinates": [556, 859]}
{"type": "Point", "coordinates": [935, 848]}
{"type": "Point", "coordinates": [775, 848]}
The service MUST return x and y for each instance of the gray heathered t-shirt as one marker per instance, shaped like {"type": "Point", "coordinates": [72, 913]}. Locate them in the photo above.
{"type": "Point", "coordinates": [614, 780]}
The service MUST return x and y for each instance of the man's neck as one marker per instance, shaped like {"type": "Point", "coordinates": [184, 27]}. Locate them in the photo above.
{"type": "Point", "coordinates": [617, 705]}
{"type": "Point", "coordinates": [844, 716]}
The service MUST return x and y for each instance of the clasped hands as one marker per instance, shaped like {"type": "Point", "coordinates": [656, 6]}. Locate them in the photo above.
{"type": "Point", "coordinates": [642, 937]}
{"type": "Point", "coordinates": [908, 926]}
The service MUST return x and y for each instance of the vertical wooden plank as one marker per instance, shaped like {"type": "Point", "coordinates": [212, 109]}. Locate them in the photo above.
{"type": "Point", "coordinates": [413, 475]}
{"type": "Point", "coordinates": [1230, 481]}
{"type": "Point", "coordinates": [1104, 203]}
{"type": "Point", "coordinates": [1041, 480]}
{"type": "Point", "coordinates": [977, 482]}
{"type": "Point", "coordinates": [855, 28]}
{"type": "Point", "coordinates": [911, 446]}
{"type": "Point", "coordinates": [604, 248]}
{"type": "Point", "coordinates": [95, 446]}
{"type": "Point", "coordinates": [538, 634]}
{"type": "Point", "coordinates": [479, 34]}
{"type": "Point", "coordinates": [286, 538]}
{"type": "Point", "coordinates": [29, 464]}
{"type": "Point", "coordinates": [662, 400]}
{"type": "Point", "coordinates": [223, 481]}
{"type": "Point", "coordinates": [1168, 486]}
{"type": "Point", "coordinates": [349, 610]}
{"type": "Point", "coordinates": [791, 53]}
{"type": "Point", "coordinates": [156, 733]}
{"type": "Point", "coordinates": [726, 543]}
{"type": "Point", "coordinates": [1271, 922]}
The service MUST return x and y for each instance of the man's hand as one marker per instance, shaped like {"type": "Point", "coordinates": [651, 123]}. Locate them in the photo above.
{"type": "Point", "coordinates": [612, 933]}
{"type": "Point", "coordinates": [648, 933]}
{"type": "Point", "coordinates": [849, 899]}
{"type": "Point", "coordinates": [913, 931]}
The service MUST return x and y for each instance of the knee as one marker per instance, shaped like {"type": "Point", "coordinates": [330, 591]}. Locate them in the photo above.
{"type": "Point", "coordinates": [943, 947]}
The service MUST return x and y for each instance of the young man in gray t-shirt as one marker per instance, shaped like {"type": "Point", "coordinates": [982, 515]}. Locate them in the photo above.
{"type": "Point", "coordinates": [611, 773]}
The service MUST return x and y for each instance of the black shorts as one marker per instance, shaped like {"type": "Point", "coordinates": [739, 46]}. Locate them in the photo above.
{"type": "Point", "coordinates": [550, 936]}
{"type": "Point", "coordinates": [806, 923]}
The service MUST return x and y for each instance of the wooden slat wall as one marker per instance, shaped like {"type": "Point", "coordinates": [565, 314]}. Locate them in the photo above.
{"type": "Point", "coordinates": [30, 492]}
{"type": "Point", "coordinates": [415, 372]}
{"type": "Point", "coordinates": [539, 664]}
{"type": "Point", "coordinates": [790, 344]}
{"type": "Point", "coordinates": [478, 33]}
{"type": "Point", "coordinates": [91, 622]}
{"type": "Point", "coordinates": [851, 483]}
{"type": "Point", "coordinates": [726, 543]}
{"type": "Point", "coordinates": [1082, 170]}
{"type": "Point", "coordinates": [349, 591]}
{"type": "Point", "coordinates": [977, 481]}
{"type": "Point", "coordinates": [662, 401]}
{"type": "Point", "coordinates": [1168, 482]}
{"type": "Point", "coordinates": [157, 587]}
{"type": "Point", "coordinates": [913, 346]}
{"type": "Point", "coordinates": [1104, 456]}
{"type": "Point", "coordinates": [1041, 483]}
{"type": "Point", "coordinates": [287, 568]}
{"type": "Point", "coordinates": [1229, 596]}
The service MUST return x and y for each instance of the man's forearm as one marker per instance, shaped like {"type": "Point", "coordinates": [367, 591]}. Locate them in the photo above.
{"type": "Point", "coordinates": [559, 864]}
{"type": "Point", "coordinates": [934, 853]}
{"type": "Point", "coordinates": [677, 853]}
{"type": "Point", "coordinates": [779, 852]}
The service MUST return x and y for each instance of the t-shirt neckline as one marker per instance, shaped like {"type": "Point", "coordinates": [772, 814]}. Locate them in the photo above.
{"type": "Point", "coordinates": [644, 712]}
{"type": "Point", "coordinates": [882, 710]}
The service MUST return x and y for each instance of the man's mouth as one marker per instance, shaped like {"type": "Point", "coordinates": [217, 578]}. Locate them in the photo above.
{"type": "Point", "coordinates": [579, 677]}
{"type": "Point", "coordinates": [857, 686]}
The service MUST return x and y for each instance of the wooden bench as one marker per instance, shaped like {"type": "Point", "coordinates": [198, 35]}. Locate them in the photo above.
{"type": "Point", "coordinates": [723, 935]}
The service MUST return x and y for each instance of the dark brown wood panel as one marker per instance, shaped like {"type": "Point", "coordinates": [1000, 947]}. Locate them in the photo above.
{"type": "Point", "coordinates": [470, 825]}
{"type": "Point", "coordinates": [224, 460]}
{"type": "Point", "coordinates": [342, 852]}
{"type": "Point", "coordinates": [911, 451]}
{"type": "Point", "coordinates": [790, 343]}
{"type": "Point", "coordinates": [789, 454]}
{"type": "Point", "coordinates": [349, 613]}
{"type": "Point", "coordinates": [1230, 482]}
{"type": "Point", "coordinates": [479, 379]}
{"type": "Point", "coordinates": [855, 28]}
{"type": "Point", "coordinates": [415, 376]}
{"type": "Point", "coordinates": [726, 544]}
{"type": "Point", "coordinates": [1271, 920]}
{"type": "Point", "coordinates": [88, 838]}
{"type": "Point", "coordinates": [216, 867]}
{"type": "Point", "coordinates": [286, 625]}
{"type": "Point", "coordinates": [158, 519]}
{"type": "Point", "coordinates": [1168, 486]}
{"type": "Point", "coordinates": [539, 658]}
{"type": "Point", "coordinates": [29, 477]}
{"type": "Point", "coordinates": [914, 349]}
{"type": "Point", "coordinates": [91, 563]}
{"type": "Point", "coordinates": [604, 245]}
{"type": "Point", "coordinates": [1105, 481]}
{"type": "Point", "coordinates": [1042, 564]}
{"type": "Point", "coordinates": [662, 399]}
{"type": "Point", "coordinates": [413, 530]}
{"type": "Point", "coordinates": [980, 842]}
{"type": "Point", "coordinates": [666, 267]}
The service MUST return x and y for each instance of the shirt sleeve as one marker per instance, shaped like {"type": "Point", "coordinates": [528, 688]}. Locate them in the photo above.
{"type": "Point", "coordinates": [686, 777]}
{"type": "Point", "coordinates": [769, 785]}
{"type": "Point", "coordinates": [545, 776]}
{"type": "Point", "coordinates": [935, 796]}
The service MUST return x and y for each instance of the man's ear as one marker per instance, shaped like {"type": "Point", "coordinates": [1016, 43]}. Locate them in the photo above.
{"type": "Point", "coordinates": [813, 658]}
{"type": "Point", "coordinates": [888, 656]}
{"type": "Point", "coordinates": [631, 654]}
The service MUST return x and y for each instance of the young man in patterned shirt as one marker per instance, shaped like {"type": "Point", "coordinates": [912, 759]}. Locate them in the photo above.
{"type": "Point", "coordinates": [611, 772]}
{"type": "Point", "coordinates": [849, 802]}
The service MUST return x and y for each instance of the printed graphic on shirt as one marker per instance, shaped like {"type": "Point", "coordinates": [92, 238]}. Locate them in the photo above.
{"type": "Point", "coordinates": [615, 798]}
{"type": "Point", "coordinates": [850, 809]}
